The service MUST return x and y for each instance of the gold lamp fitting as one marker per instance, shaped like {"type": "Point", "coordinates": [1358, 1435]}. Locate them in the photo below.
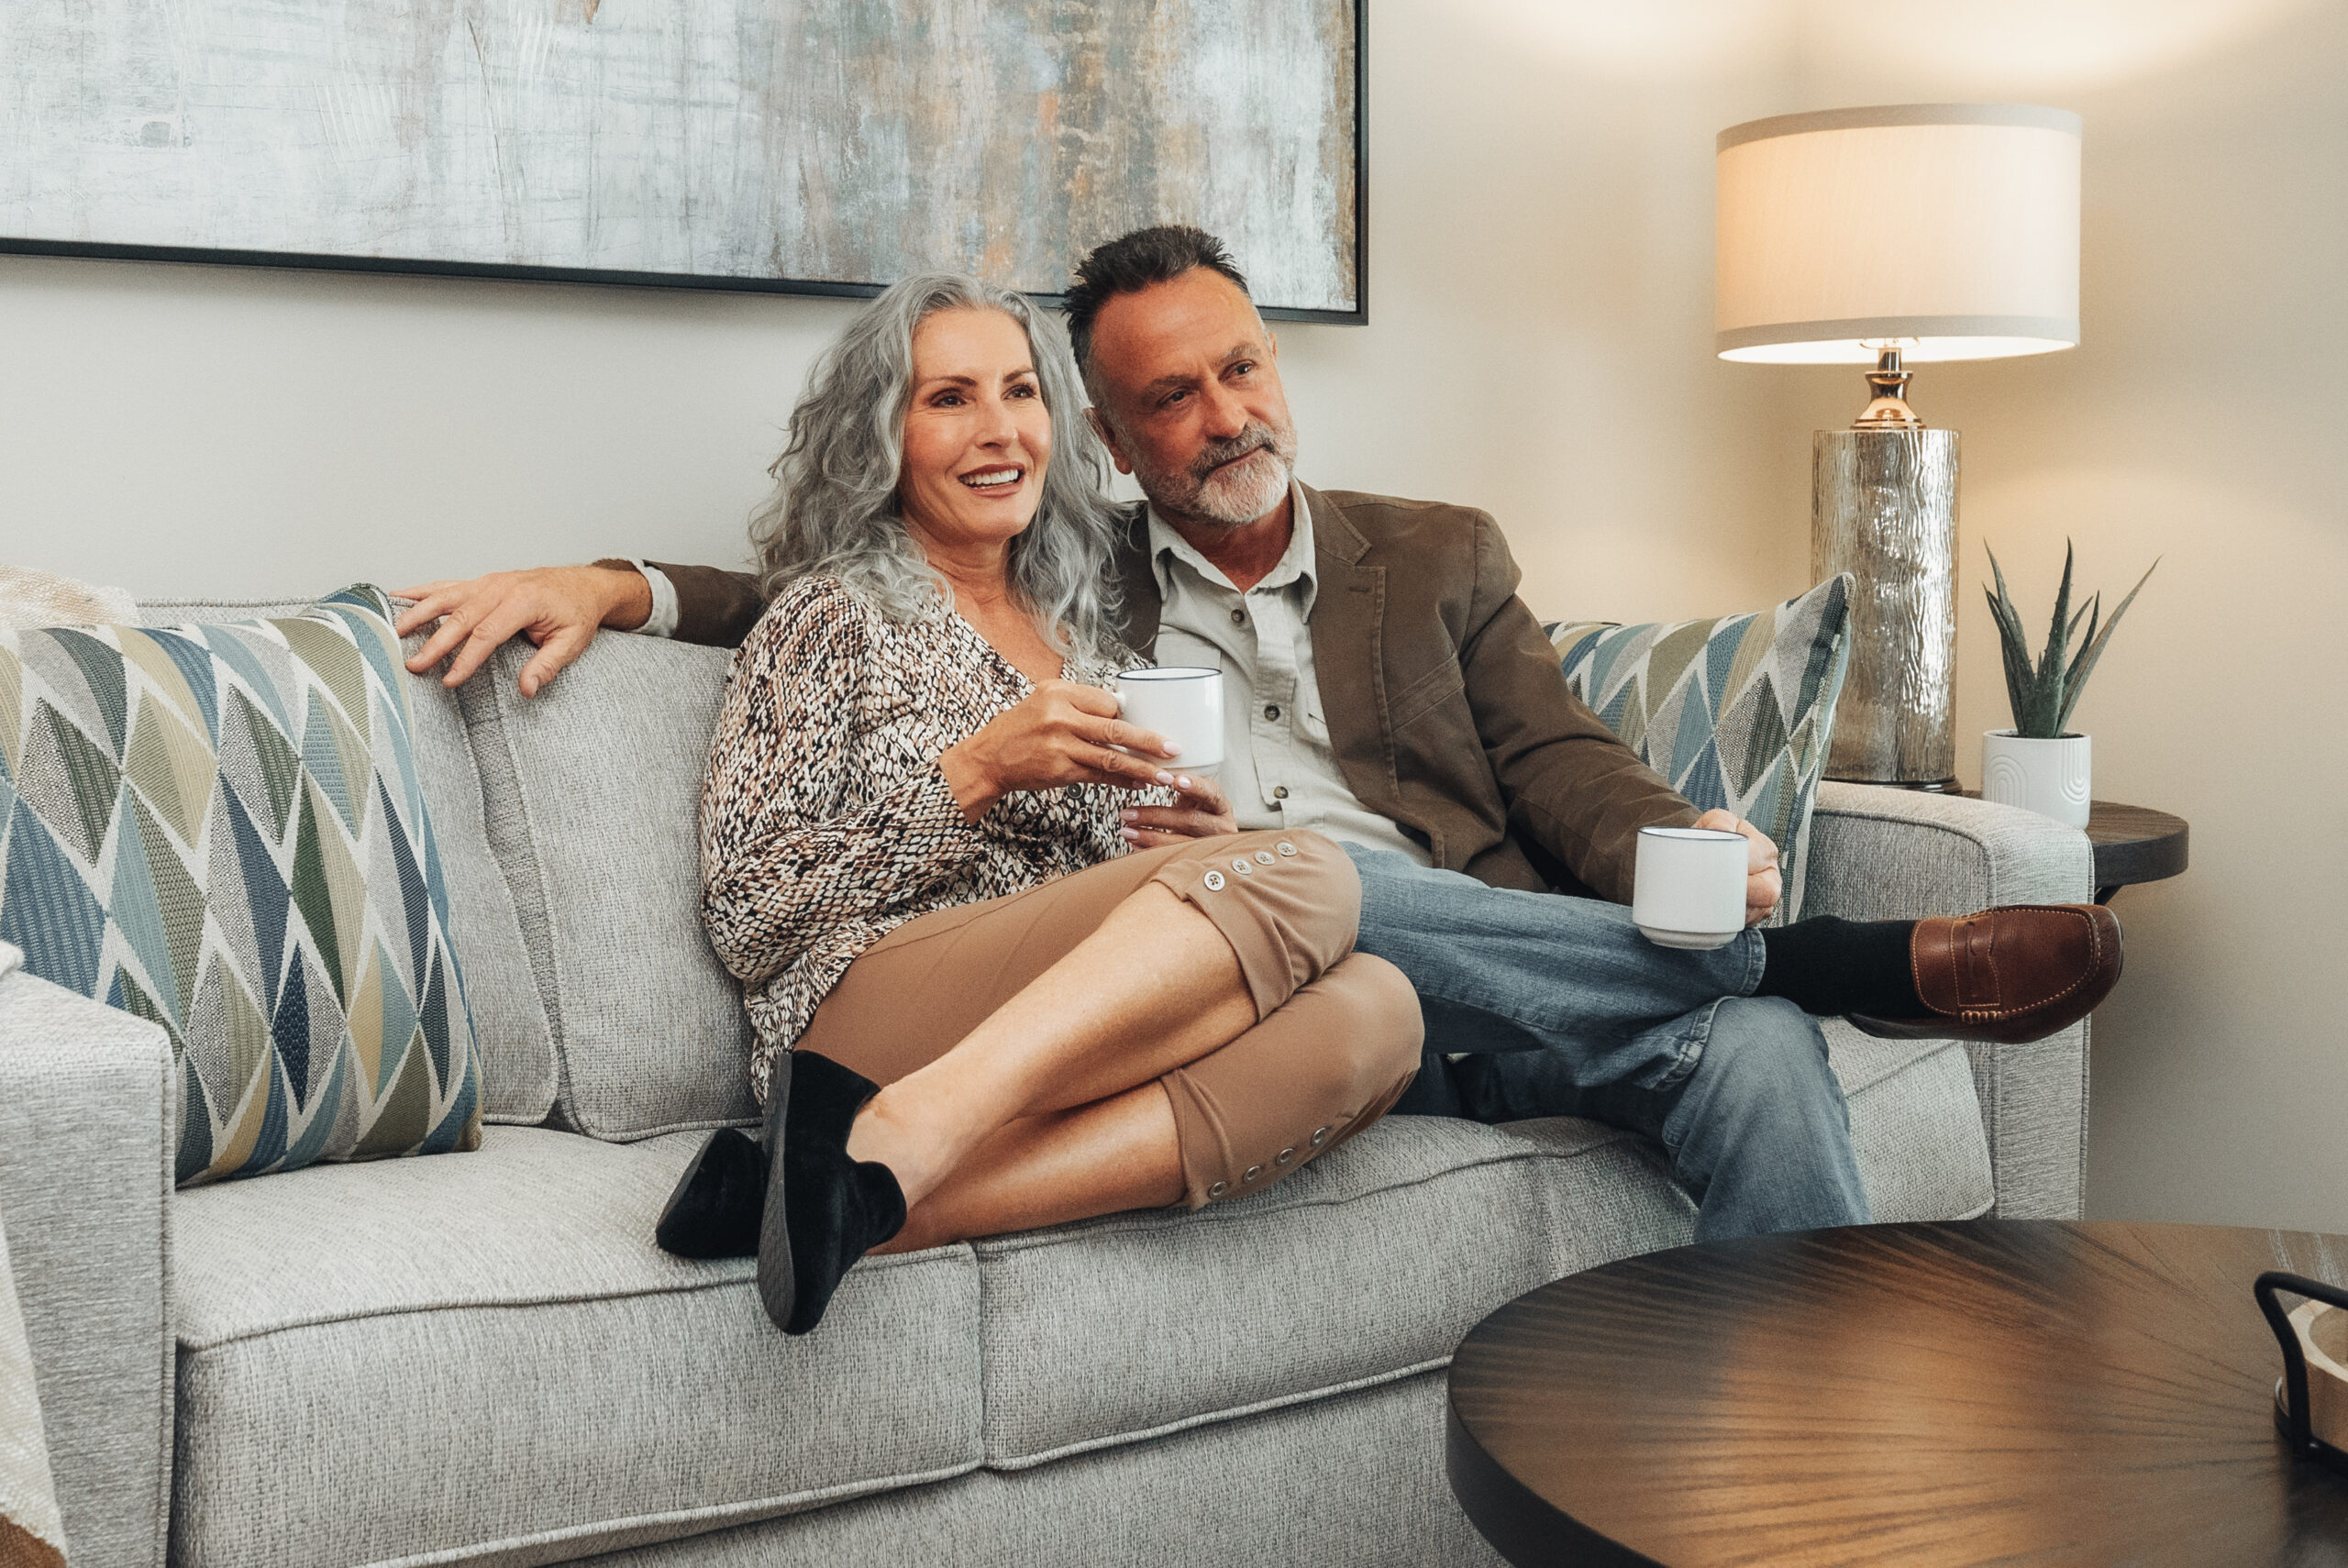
{"type": "Point", "coordinates": [1888, 408]}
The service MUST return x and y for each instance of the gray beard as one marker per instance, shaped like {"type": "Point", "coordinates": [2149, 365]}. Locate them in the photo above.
{"type": "Point", "coordinates": [1227, 501]}
{"type": "Point", "coordinates": [1237, 503]}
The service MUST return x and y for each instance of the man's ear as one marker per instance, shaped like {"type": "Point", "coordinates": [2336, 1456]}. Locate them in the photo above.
{"type": "Point", "coordinates": [1108, 439]}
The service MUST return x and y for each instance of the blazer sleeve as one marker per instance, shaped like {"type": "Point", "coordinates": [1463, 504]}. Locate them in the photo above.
{"type": "Point", "coordinates": [1571, 787]}
{"type": "Point", "coordinates": [715, 607]}
{"type": "Point", "coordinates": [794, 841]}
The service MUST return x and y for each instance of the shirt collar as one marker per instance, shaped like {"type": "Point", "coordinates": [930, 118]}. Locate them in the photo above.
{"type": "Point", "coordinates": [1295, 566]}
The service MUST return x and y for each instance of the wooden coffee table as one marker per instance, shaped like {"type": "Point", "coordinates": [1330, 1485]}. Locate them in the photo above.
{"type": "Point", "coordinates": [2011, 1392]}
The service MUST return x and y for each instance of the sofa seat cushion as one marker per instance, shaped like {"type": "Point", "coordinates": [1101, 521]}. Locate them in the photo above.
{"type": "Point", "coordinates": [1371, 1263]}
{"type": "Point", "coordinates": [1916, 1125]}
{"type": "Point", "coordinates": [486, 1360]}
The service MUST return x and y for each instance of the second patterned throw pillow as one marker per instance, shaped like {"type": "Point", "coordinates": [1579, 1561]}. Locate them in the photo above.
{"type": "Point", "coordinates": [1734, 711]}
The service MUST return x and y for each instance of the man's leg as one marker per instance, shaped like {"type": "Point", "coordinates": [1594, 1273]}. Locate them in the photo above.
{"type": "Point", "coordinates": [1563, 1009]}
{"type": "Point", "coordinates": [1499, 970]}
{"type": "Point", "coordinates": [1756, 1128]}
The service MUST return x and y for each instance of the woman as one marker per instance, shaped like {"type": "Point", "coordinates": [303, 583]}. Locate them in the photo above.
{"type": "Point", "coordinates": [982, 1002]}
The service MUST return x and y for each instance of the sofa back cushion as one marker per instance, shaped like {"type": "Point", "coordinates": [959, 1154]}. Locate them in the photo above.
{"type": "Point", "coordinates": [593, 793]}
{"type": "Point", "coordinates": [1736, 711]}
{"type": "Point", "coordinates": [517, 1060]}
{"type": "Point", "coordinates": [218, 828]}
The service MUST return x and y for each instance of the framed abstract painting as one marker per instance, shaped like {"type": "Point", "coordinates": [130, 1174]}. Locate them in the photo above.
{"type": "Point", "coordinates": [784, 145]}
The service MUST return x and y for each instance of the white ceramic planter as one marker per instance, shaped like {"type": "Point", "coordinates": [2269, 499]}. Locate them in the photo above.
{"type": "Point", "coordinates": [2049, 776]}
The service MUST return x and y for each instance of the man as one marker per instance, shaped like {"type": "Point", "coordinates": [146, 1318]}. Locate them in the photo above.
{"type": "Point", "coordinates": [1386, 687]}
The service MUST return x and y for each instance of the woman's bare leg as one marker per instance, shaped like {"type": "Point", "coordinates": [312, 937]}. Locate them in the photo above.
{"type": "Point", "coordinates": [1103, 1158]}
{"type": "Point", "coordinates": [1312, 1074]}
{"type": "Point", "coordinates": [1155, 987]}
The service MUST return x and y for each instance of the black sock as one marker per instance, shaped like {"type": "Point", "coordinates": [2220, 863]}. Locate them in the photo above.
{"type": "Point", "coordinates": [1832, 967]}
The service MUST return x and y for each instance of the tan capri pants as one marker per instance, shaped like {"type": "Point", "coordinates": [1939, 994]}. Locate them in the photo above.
{"type": "Point", "coordinates": [1337, 1033]}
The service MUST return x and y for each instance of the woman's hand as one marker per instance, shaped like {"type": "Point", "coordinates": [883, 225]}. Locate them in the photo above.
{"type": "Point", "coordinates": [1063, 734]}
{"type": "Point", "coordinates": [1763, 883]}
{"type": "Point", "coordinates": [1202, 811]}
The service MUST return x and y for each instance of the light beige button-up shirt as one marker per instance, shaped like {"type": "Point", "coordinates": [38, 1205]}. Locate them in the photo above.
{"type": "Point", "coordinates": [1277, 766]}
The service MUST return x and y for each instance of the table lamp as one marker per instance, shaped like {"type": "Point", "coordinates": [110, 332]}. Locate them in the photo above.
{"type": "Point", "coordinates": [1894, 237]}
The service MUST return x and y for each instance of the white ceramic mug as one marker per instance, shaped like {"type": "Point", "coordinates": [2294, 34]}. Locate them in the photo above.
{"type": "Point", "coordinates": [1687, 888]}
{"type": "Point", "coordinates": [1183, 704]}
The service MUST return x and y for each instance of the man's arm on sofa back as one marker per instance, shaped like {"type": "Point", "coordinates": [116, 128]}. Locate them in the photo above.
{"type": "Point", "coordinates": [86, 1119]}
{"type": "Point", "coordinates": [1885, 854]}
{"type": "Point", "coordinates": [715, 608]}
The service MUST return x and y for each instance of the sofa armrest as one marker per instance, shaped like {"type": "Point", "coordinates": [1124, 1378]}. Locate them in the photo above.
{"type": "Point", "coordinates": [1883, 854]}
{"type": "Point", "coordinates": [87, 1147]}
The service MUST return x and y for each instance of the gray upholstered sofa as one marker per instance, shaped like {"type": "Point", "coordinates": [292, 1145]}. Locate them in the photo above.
{"type": "Point", "coordinates": [482, 1357]}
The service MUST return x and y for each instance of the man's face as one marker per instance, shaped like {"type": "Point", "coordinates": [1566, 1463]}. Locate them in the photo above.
{"type": "Point", "coordinates": [1191, 398]}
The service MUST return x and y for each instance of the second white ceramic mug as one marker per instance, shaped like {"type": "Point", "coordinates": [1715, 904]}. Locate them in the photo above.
{"type": "Point", "coordinates": [1184, 704]}
{"type": "Point", "coordinates": [1688, 888]}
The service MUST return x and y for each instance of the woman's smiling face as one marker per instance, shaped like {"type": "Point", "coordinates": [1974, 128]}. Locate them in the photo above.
{"type": "Point", "coordinates": [976, 434]}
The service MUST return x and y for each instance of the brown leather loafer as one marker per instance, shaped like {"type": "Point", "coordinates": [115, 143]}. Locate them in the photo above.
{"type": "Point", "coordinates": [2014, 973]}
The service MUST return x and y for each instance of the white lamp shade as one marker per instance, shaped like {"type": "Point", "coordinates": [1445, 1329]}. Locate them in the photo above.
{"type": "Point", "coordinates": [1954, 226]}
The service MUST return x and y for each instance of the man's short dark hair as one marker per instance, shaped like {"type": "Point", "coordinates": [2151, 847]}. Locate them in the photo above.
{"type": "Point", "coordinates": [1131, 263]}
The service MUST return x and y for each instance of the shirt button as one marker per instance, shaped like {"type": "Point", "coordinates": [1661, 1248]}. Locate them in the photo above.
{"type": "Point", "coordinates": [1239, 617]}
{"type": "Point", "coordinates": [1279, 791]}
{"type": "Point", "coordinates": [1271, 710]}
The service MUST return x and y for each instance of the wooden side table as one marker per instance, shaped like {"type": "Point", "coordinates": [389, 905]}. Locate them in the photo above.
{"type": "Point", "coordinates": [2132, 844]}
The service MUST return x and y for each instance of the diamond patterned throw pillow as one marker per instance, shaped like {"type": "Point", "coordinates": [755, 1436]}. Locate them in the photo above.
{"type": "Point", "coordinates": [1734, 711]}
{"type": "Point", "coordinates": [218, 828]}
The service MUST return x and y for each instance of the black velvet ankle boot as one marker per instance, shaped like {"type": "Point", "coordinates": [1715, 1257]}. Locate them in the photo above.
{"type": "Point", "coordinates": [823, 1210]}
{"type": "Point", "coordinates": [713, 1212]}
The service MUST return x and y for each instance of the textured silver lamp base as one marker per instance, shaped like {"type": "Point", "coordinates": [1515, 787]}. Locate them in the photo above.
{"type": "Point", "coordinates": [1883, 508]}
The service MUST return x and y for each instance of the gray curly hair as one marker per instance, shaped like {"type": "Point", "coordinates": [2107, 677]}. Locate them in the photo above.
{"type": "Point", "coordinates": [834, 508]}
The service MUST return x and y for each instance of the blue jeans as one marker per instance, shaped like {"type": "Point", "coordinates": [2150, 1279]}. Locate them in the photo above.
{"type": "Point", "coordinates": [1556, 1006]}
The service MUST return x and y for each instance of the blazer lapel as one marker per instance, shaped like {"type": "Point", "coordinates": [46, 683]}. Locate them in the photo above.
{"type": "Point", "coordinates": [1348, 630]}
{"type": "Point", "coordinates": [1142, 604]}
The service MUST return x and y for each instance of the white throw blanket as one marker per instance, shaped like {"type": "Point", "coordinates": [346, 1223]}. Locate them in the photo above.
{"type": "Point", "coordinates": [30, 598]}
{"type": "Point", "coordinates": [32, 1533]}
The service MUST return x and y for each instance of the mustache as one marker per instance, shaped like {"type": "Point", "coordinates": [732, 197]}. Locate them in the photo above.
{"type": "Point", "coordinates": [1257, 437]}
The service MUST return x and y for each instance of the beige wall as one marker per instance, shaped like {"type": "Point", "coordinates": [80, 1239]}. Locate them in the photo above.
{"type": "Point", "coordinates": [1540, 287]}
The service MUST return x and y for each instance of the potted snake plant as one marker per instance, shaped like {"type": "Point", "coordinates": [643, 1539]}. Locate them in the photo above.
{"type": "Point", "coordinates": [2040, 763]}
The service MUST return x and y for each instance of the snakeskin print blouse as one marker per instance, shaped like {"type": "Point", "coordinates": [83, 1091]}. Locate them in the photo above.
{"type": "Point", "coordinates": [825, 821]}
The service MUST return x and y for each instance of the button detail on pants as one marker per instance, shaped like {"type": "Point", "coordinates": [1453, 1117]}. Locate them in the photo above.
{"type": "Point", "coordinates": [1319, 1137]}
{"type": "Point", "coordinates": [1218, 1190]}
{"type": "Point", "coordinates": [1213, 881]}
{"type": "Point", "coordinates": [1286, 848]}
{"type": "Point", "coordinates": [1240, 864]}
{"type": "Point", "coordinates": [1263, 857]}
{"type": "Point", "coordinates": [1285, 1155]}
